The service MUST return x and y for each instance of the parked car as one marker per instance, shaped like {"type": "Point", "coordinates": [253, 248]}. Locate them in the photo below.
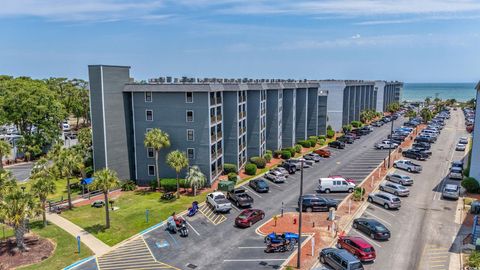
{"type": "Point", "coordinates": [282, 170]}
{"type": "Point", "coordinates": [372, 228]}
{"type": "Point", "coordinates": [451, 192]}
{"type": "Point", "coordinates": [275, 176]}
{"type": "Point", "coordinates": [460, 147]}
{"type": "Point", "coordinates": [328, 185]}
{"type": "Point", "coordinates": [425, 152]}
{"type": "Point", "coordinates": [323, 152]}
{"type": "Point", "coordinates": [457, 163]}
{"type": "Point", "coordinates": [463, 140]}
{"type": "Point", "coordinates": [415, 154]}
{"type": "Point", "coordinates": [388, 201]}
{"type": "Point", "coordinates": [348, 179]}
{"type": "Point", "coordinates": [357, 246]}
{"type": "Point", "coordinates": [219, 202]}
{"type": "Point", "coordinates": [377, 124]}
{"type": "Point", "coordinates": [424, 145]}
{"type": "Point", "coordinates": [407, 165]}
{"type": "Point", "coordinates": [353, 135]}
{"type": "Point", "coordinates": [455, 173]}
{"type": "Point", "coordinates": [248, 217]}
{"type": "Point", "coordinates": [98, 204]}
{"type": "Point", "coordinates": [240, 197]}
{"type": "Point", "coordinates": [386, 144]}
{"type": "Point", "coordinates": [312, 156]}
{"type": "Point", "coordinates": [289, 167]}
{"type": "Point", "coordinates": [401, 179]}
{"type": "Point", "coordinates": [337, 144]}
{"type": "Point", "coordinates": [298, 163]}
{"type": "Point", "coordinates": [316, 203]}
{"type": "Point", "coordinates": [346, 139]}
{"type": "Point", "coordinates": [339, 259]}
{"type": "Point", "coordinates": [395, 189]}
{"type": "Point", "coordinates": [424, 139]}
{"type": "Point", "coordinates": [259, 185]}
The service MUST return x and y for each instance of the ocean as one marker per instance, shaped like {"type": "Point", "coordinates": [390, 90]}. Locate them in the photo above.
{"type": "Point", "coordinates": [419, 91]}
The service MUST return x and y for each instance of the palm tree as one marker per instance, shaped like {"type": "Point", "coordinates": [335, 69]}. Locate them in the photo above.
{"type": "Point", "coordinates": [43, 185]}
{"type": "Point", "coordinates": [177, 160]}
{"type": "Point", "coordinates": [156, 139]}
{"type": "Point", "coordinates": [67, 162]}
{"type": "Point", "coordinates": [105, 180]}
{"type": "Point", "coordinates": [16, 208]}
{"type": "Point", "coordinates": [7, 183]}
{"type": "Point", "coordinates": [5, 149]}
{"type": "Point", "coordinates": [426, 114]}
{"type": "Point", "coordinates": [195, 179]}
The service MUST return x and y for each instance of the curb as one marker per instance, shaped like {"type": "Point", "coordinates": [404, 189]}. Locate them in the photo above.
{"type": "Point", "coordinates": [310, 236]}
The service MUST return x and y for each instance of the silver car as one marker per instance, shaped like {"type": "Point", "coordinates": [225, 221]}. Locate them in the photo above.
{"type": "Point", "coordinates": [275, 176]}
{"type": "Point", "coordinates": [395, 189]}
{"type": "Point", "coordinates": [388, 201]}
{"type": "Point", "coordinates": [282, 171]}
{"type": "Point", "coordinates": [451, 192]}
{"type": "Point", "coordinates": [401, 179]}
{"type": "Point", "coordinates": [460, 147]}
{"type": "Point", "coordinates": [456, 173]}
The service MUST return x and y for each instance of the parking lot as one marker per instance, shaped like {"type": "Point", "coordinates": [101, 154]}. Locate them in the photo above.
{"type": "Point", "coordinates": [423, 229]}
{"type": "Point", "coordinates": [215, 243]}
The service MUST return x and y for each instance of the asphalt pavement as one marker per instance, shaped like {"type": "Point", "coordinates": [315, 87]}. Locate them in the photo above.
{"type": "Point", "coordinates": [21, 171]}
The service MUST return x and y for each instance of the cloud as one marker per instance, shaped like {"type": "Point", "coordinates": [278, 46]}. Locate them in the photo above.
{"type": "Point", "coordinates": [419, 19]}
{"type": "Point", "coordinates": [357, 36]}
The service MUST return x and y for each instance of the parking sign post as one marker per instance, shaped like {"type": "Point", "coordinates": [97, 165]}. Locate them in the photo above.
{"type": "Point", "coordinates": [282, 209]}
{"type": "Point", "coordinates": [146, 214]}
{"type": "Point", "coordinates": [313, 246]}
{"type": "Point", "coordinates": [78, 244]}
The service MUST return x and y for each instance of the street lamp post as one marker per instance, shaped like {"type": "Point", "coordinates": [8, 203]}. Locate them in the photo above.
{"type": "Point", "coordinates": [299, 255]}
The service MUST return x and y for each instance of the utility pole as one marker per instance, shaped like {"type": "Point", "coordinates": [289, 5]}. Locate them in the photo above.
{"type": "Point", "coordinates": [299, 253]}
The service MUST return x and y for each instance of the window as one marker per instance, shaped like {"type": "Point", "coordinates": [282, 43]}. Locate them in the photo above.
{"type": "Point", "coordinates": [189, 97]}
{"type": "Point", "coordinates": [191, 153]}
{"type": "Point", "coordinates": [151, 170]}
{"type": "Point", "coordinates": [149, 114]}
{"type": "Point", "coordinates": [147, 130]}
{"type": "Point", "coordinates": [148, 96]}
{"type": "Point", "coordinates": [189, 116]}
{"type": "Point", "coordinates": [190, 135]}
{"type": "Point", "coordinates": [150, 152]}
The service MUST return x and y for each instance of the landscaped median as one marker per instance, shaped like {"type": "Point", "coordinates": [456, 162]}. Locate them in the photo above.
{"type": "Point", "coordinates": [322, 231]}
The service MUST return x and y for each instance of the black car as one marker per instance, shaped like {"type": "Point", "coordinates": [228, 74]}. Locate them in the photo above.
{"type": "Point", "coordinates": [259, 185]}
{"type": "Point", "coordinates": [423, 145]}
{"type": "Point", "coordinates": [424, 139]}
{"type": "Point", "coordinates": [457, 163]}
{"type": "Point", "coordinates": [366, 129]}
{"type": "Point", "coordinates": [290, 167]}
{"type": "Point", "coordinates": [346, 139]}
{"type": "Point", "coordinates": [317, 203]}
{"type": "Point", "coordinates": [423, 151]}
{"type": "Point", "coordinates": [372, 228]}
{"type": "Point", "coordinates": [415, 154]}
{"type": "Point", "coordinates": [360, 132]}
{"type": "Point", "coordinates": [337, 144]}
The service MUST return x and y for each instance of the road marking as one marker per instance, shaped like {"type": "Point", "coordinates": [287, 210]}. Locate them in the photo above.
{"type": "Point", "coordinates": [254, 193]}
{"type": "Point", "coordinates": [378, 218]}
{"type": "Point", "coordinates": [188, 223]}
{"type": "Point", "coordinates": [271, 183]}
{"type": "Point", "coordinates": [254, 260]}
{"type": "Point", "coordinates": [383, 210]}
{"type": "Point", "coordinates": [367, 239]}
{"type": "Point", "coordinates": [236, 208]}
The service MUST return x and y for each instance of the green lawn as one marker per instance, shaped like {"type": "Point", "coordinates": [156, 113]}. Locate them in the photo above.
{"type": "Point", "coordinates": [65, 251]}
{"type": "Point", "coordinates": [130, 218]}
{"type": "Point", "coordinates": [60, 192]}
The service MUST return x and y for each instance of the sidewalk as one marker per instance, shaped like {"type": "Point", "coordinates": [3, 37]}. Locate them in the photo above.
{"type": "Point", "coordinates": [97, 246]}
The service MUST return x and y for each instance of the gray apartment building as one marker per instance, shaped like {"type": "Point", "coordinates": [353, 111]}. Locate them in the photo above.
{"type": "Point", "coordinates": [214, 121]}
{"type": "Point", "coordinates": [387, 93]}
{"type": "Point", "coordinates": [475, 164]}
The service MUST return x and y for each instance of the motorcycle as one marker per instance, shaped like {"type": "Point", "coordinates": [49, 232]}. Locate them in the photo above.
{"type": "Point", "coordinates": [284, 246]}
{"type": "Point", "coordinates": [177, 224]}
{"type": "Point", "coordinates": [193, 210]}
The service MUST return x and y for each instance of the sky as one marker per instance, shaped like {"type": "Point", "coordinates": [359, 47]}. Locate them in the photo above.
{"type": "Point", "coordinates": [406, 40]}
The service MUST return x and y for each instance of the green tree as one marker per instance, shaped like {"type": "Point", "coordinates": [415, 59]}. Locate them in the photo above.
{"type": "Point", "coordinates": [16, 208]}
{"type": "Point", "coordinates": [43, 185]}
{"type": "Point", "coordinates": [393, 107]}
{"type": "Point", "coordinates": [7, 182]}
{"type": "Point", "coordinates": [5, 150]}
{"type": "Point", "coordinates": [105, 180]}
{"type": "Point", "coordinates": [157, 140]}
{"type": "Point", "coordinates": [411, 114]}
{"type": "Point", "coordinates": [426, 114]}
{"type": "Point", "coordinates": [195, 179]}
{"type": "Point", "coordinates": [177, 160]}
{"type": "Point", "coordinates": [67, 163]}
{"type": "Point", "coordinates": [428, 101]}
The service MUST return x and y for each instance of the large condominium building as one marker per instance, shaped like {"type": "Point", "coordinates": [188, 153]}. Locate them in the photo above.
{"type": "Point", "coordinates": [475, 164]}
{"type": "Point", "coordinates": [387, 93]}
{"type": "Point", "coordinates": [214, 121]}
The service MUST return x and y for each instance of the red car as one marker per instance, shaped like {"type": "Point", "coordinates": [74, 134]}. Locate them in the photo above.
{"type": "Point", "coordinates": [350, 180]}
{"type": "Point", "coordinates": [358, 247]}
{"type": "Point", "coordinates": [323, 152]}
{"type": "Point", "coordinates": [248, 217]}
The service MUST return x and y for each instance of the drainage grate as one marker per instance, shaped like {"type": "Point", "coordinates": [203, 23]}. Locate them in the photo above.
{"type": "Point", "coordinates": [263, 263]}
{"type": "Point", "coordinates": [192, 266]}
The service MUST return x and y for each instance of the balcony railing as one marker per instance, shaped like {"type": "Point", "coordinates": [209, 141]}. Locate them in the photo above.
{"type": "Point", "coordinates": [212, 136]}
{"type": "Point", "coordinates": [241, 115]}
{"type": "Point", "coordinates": [219, 135]}
{"type": "Point", "coordinates": [213, 119]}
{"type": "Point", "coordinates": [219, 117]}
{"type": "Point", "coordinates": [213, 101]}
{"type": "Point", "coordinates": [242, 130]}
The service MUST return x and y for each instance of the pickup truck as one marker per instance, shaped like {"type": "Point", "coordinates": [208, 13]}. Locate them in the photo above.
{"type": "Point", "coordinates": [240, 197]}
{"type": "Point", "coordinates": [219, 202]}
{"type": "Point", "coordinates": [407, 165]}
{"type": "Point", "coordinates": [386, 145]}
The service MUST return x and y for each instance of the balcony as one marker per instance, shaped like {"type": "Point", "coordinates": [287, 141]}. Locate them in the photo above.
{"type": "Point", "coordinates": [213, 119]}
{"type": "Point", "coordinates": [241, 147]}
{"type": "Point", "coordinates": [241, 115]}
{"type": "Point", "coordinates": [219, 135]}
{"type": "Point", "coordinates": [213, 138]}
{"type": "Point", "coordinates": [219, 118]}
{"type": "Point", "coordinates": [242, 130]}
{"type": "Point", "coordinates": [213, 102]}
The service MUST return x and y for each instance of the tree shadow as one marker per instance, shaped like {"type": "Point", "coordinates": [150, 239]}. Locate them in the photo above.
{"type": "Point", "coordinates": [94, 229]}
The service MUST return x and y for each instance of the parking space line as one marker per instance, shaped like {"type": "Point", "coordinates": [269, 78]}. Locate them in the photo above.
{"type": "Point", "coordinates": [378, 218]}
{"type": "Point", "coordinates": [188, 223]}
{"type": "Point", "coordinates": [367, 239]}
{"type": "Point", "coordinates": [250, 247]}
{"type": "Point", "coordinates": [384, 211]}
{"type": "Point", "coordinates": [254, 193]}
{"type": "Point", "coordinates": [236, 208]}
{"type": "Point", "coordinates": [271, 183]}
{"type": "Point", "coordinates": [254, 260]}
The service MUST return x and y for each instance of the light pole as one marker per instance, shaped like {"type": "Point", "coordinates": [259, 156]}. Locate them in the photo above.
{"type": "Point", "coordinates": [299, 253]}
{"type": "Point", "coordinates": [391, 142]}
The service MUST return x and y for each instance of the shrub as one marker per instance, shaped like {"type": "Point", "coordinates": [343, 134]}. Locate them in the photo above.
{"type": "Point", "coordinates": [356, 124]}
{"type": "Point", "coordinates": [330, 133]}
{"type": "Point", "coordinates": [466, 172]}
{"type": "Point", "coordinates": [170, 184]}
{"type": "Point", "coordinates": [312, 138]}
{"type": "Point", "coordinates": [468, 201]}
{"type": "Point", "coordinates": [89, 171]}
{"type": "Point", "coordinates": [286, 154]}
{"type": "Point", "coordinates": [313, 142]}
{"type": "Point", "coordinates": [305, 144]}
{"type": "Point", "coordinates": [232, 177]}
{"type": "Point", "coordinates": [347, 128]}
{"type": "Point", "coordinates": [470, 184]}
{"type": "Point", "coordinates": [329, 127]}
{"type": "Point", "coordinates": [153, 185]}
{"type": "Point", "coordinates": [298, 148]}
{"type": "Point", "coordinates": [322, 137]}
{"type": "Point", "coordinates": [291, 150]}
{"type": "Point", "coordinates": [130, 186]}
{"type": "Point", "coordinates": [267, 157]}
{"type": "Point", "coordinates": [321, 141]}
{"type": "Point", "coordinates": [474, 259]}
{"type": "Point", "coordinates": [260, 162]}
{"type": "Point", "coordinates": [269, 152]}
{"type": "Point", "coordinates": [251, 169]}
{"type": "Point", "coordinates": [229, 168]}
{"type": "Point", "coordinates": [277, 153]}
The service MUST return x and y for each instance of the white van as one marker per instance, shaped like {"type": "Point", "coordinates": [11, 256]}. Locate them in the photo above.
{"type": "Point", "coordinates": [328, 185]}
{"type": "Point", "coordinates": [430, 131]}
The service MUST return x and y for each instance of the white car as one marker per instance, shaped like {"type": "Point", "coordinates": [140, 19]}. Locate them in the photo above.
{"type": "Point", "coordinates": [407, 165]}
{"type": "Point", "coordinates": [219, 202]}
{"type": "Point", "coordinates": [460, 147]}
{"type": "Point", "coordinates": [386, 145]}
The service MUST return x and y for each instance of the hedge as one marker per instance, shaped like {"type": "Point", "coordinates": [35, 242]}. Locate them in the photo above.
{"type": "Point", "coordinates": [277, 153]}
{"type": "Point", "coordinates": [312, 138]}
{"type": "Point", "coordinates": [298, 148]}
{"type": "Point", "coordinates": [330, 133]}
{"type": "Point", "coordinates": [130, 186]}
{"type": "Point", "coordinates": [329, 127]}
{"type": "Point", "coordinates": [321, 142]}
{"type": "Point", "coordinates": [356, 124]}
{"type": "Point", "coordinates": [269, 152]}
{"type": "Point", "coordinates": [251, 169]}
{"type": "Point", "coordinates": [260, 162]}
{"type": "Point", "coordinates": [305, 144]}
{"type": "Point", "coordinates": [312, 142]}
{"type": "Point", "coordinates": [470, 184]}
{"type": "Point", "coordinates": [267, 157]}
{"type": "Point", "coordinates": [322, 137]}
{"type": "Point", "coordinates": [232, 177]}
{"type": "Point", "coordinates": [170, 184]}
{"type": "Point", "coordinates": [286, 154]}
{"type": "Point", "coordinates": [229, 168]}
{"type": "Point", "coordinates": [291, 150]}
